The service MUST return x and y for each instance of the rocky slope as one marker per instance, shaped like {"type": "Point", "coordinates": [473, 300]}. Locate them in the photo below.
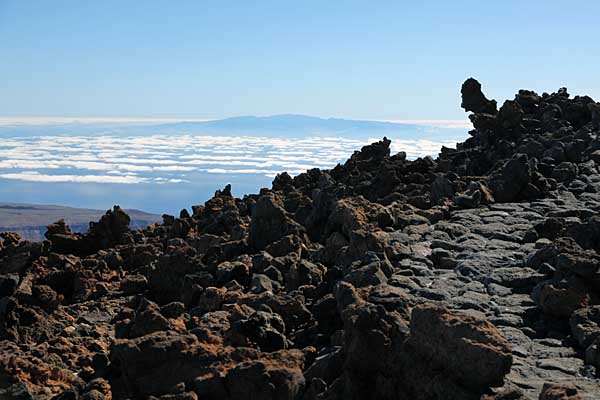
{"type": "Point", "coordinates": [473, 276]}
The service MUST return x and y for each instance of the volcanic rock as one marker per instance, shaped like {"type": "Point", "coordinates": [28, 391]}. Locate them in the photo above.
{"type": "Point", "coordinates": [474, 100]}
{"type": "Point", "coordinates": [512, 179]}
{"type": "Point", "coordinates": [270, 222]}
{"type": "Point", "coordinates": [475, 275]}
{"type": "Point", "coordinates": [458, 344]}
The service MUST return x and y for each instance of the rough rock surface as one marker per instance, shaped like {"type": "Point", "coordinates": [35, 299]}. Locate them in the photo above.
{"type": "Point", "coordinates": [475, 275]}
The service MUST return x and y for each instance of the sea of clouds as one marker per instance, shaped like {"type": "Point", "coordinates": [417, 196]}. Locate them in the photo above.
{"type": "Point", "coordinates": [175, 159]}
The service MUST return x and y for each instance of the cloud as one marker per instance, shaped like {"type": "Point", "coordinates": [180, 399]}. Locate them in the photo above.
{"type": "Point", "coordinates": [37, 177]}
{"type": "Point", "coordinates": [167, 158]}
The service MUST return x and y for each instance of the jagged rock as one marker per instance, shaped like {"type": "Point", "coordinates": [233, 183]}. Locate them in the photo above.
{"type": "Point", "coordinates": [373, 152]}
{"type": "Point", "coordinates": [368, 275]}
{"type": "Point", "coordinates": [211, 299]}
{"type": "Point", "coordinates": [270, 222]}
{"type": "Point", "coordinates": [474, 100]}
{"type": "Point", "coordinates": [510, 115]}
{"type": "Point", "coordinates": [166, 280]}
{"type": "Point", "coordinates": [111, 228]}
{"type": "Point", "coordinates": [63, 240]}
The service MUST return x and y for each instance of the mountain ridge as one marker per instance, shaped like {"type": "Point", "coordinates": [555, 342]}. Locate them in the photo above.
{"type": "Point", "coordinates": [277, 124]}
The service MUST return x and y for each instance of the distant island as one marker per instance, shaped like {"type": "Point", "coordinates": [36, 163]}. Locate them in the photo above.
{"type": "Point", "coordinates": [291, 125]}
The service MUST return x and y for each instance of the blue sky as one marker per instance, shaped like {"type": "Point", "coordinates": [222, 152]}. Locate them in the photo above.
{"type": "Point", "coordinates": [352, 59]}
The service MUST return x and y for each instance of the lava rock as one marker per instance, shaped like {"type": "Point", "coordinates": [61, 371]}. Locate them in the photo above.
{"type": "Point", "coordinates": [457, 344]}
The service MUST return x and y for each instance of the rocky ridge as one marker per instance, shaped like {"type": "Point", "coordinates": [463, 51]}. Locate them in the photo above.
{"type": "Point", "coordinates": [472, 276]}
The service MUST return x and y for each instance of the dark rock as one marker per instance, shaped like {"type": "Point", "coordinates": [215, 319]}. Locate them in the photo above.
{"type": "Point", "coordinates": [111, 229]}
{"type": "Point", "coordinates": [264, 330]}
{"type": "Point", "coordinates": [585, 325]}
{"type": "Point", "coordinates": [278, 378]}
{"type": "Point", "coordinates": [148, 319]}
{"type": "Point", "coordinates": [510, 115]}
{"type": "Point", "coordinates": [512, 179]}
{"type": "Point", "coordinates": [474, 100]}
{"type": "Point", "coordinates": [270, 222]}
{"type": "Point", "coordinates": [134, 284]}
{"type": "Point", "coordinates": [565, 172]}
{"type": "Point", "coordinates": [304, 273]}
{"type": "Point", "coordinates": [8, 284]}
{"type": "Point", "coordinates": [262, 283]}
{"type": "Point", "coordinates": [156, 362]}
{"type": "Point", "coordinates": [560, 299]}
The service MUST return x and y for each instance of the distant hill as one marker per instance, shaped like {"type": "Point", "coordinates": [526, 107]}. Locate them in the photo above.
{"type": "Point", "coordinates": [285, 125]}
{"type": "Point", "coordinates": [30, 220]}
{"type": "Point", "coordinates": [288, 124]}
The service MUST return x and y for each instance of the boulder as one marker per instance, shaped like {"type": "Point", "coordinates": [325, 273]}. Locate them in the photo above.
{"type": "Point", "coordinates": [263, 330]}
{"type": "Point", "coordinates": [156, 363]}
{"type": "Point", "coordinates": [585, 325]}
{"type": "Point", "coordinates": [134, 283]}
{"type": "Point", "coordinates": [565, 172]}
{"type": "Point", "coordinates": [459, 344]}
{"type": "Point", "coordinates": [560, 299]}
{"type": "Point", "coordinates": [276, 377]}
{"type": "Point", "coordinates": [555, 391]}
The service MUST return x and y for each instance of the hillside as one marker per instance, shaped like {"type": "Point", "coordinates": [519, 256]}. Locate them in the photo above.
{"type": "Point", "coordinates": [31, 220]}
{"type": "Point", "coordinates": [473, 276]}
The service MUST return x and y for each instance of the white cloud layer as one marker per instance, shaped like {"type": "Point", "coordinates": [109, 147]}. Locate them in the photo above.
{"type": "Point", "coordinates": [167, 159]}
{"type": "Point", "coordinates": [37, 177]}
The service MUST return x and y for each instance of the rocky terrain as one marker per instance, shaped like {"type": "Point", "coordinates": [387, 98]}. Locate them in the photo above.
{"type": "Point", "coordinates": [472, 276]}
{"type": "Point", "coordinates": [30, 220]}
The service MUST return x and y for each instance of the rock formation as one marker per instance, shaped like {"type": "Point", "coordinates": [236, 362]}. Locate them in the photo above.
{"type": "Point", "coordinates": [475, 275]}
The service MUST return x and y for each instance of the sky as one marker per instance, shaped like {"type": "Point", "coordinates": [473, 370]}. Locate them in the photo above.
{"type": "Point", "coordinates": [381, 60]}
